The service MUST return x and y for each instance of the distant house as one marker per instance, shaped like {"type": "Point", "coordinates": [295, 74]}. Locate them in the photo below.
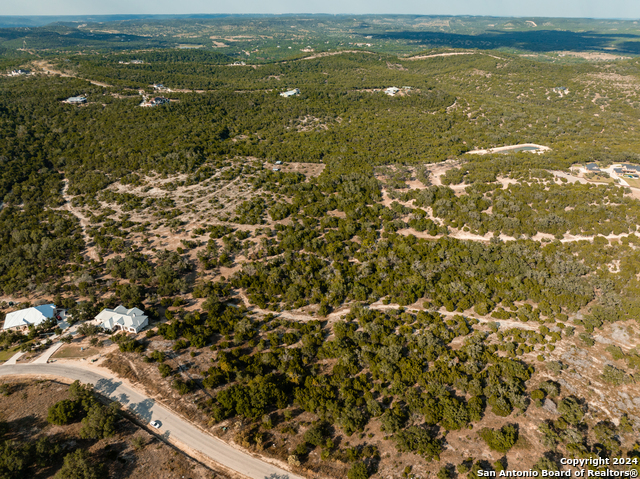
{"type": "Point", "coordinates": [159, 87]}
{"type": "Point", "coordinates": [294, 92]}
{"type": "Point", "coordinates": [592, 167]}
{"type": "Point", "coordinates": [137, 62]}
{"type": "Point", "coordinates": [276, 169]}
{"type": "Point", "coordinates": [75, 100]}
{"type": "Point", "coordinates": [628, 171]}
{"type": "Point", "coordinates": [392, 90]}
{"type": "Point", "coordinates": [159, 100]}
{"type": "Point", "coordinates": [16, 73]}
{"type": "Point", "coordinates": [278, 162]}
{"type": "Point", "coordinates": [32, 316]}
{"type": "Point", "coordinates": [122, 319]}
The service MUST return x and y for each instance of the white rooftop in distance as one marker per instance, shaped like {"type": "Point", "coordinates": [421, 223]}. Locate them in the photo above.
{"type": "Point", "coordinates": [25, 317]}
{"type": "Point", "coordinates": [294, 92]}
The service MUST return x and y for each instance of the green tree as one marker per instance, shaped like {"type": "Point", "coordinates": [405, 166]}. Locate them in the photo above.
{"type": "Point", "coordinates": [358, 471]}
{"type": "Point", "coordinates": [63, 412]}
{"type": "Point", "coordinates": [77, 465]}
{"type": "Point", "coordinates": [100, 421]}
{"type": "Point", "coordinates": [501, 440]}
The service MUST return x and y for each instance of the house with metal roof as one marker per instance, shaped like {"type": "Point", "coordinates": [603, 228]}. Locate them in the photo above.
{"type": "Point", "coordinates": [122, 319]}
{"type": "Point", "coordinates": [32, 316]}
{"type": "Point", "coordinates": [294, 92]}
{"type": "Point", "coordinates": [75, 100]}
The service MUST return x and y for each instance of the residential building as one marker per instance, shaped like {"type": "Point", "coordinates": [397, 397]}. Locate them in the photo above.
{"type": "Point", "coordinates": [625, 172]}
{"type": "Point", "coordinates": [592, 167]}
{"type": "Point", "coordinates": [294, 92]}
{"type": "Point", "coordinates": [392, 90]}
{"type": "Point", "coordinates": [16, 73]}
{"type": "Point", "coordinates": [33, 316]}
{"type": "Point", "coordinates": [122, 319]}
{"type": "Point", "coordinates": [75, 100]}
{"type": "Point", "coordinates": [159, 100]}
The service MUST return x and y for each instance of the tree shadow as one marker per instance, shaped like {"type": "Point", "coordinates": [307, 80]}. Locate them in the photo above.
{"type": "Point", "coordinates": [536, 41]}
{"type": "Point", "coordinates": [119, 464]}
{"type": "Point", "coordinates": [106, 387]}
{"type": "Point", "coordinates": [142, 409]}
{"type": "Point", "coordinates": [25, 426]}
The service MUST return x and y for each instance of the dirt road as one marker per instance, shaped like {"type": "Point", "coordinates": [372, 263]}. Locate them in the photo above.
{"type": "Point", "coordinates": [84, 221]}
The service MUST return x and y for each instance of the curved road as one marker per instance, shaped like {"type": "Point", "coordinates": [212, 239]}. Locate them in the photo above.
{"type": "Point", "coordinates": [147, 409]}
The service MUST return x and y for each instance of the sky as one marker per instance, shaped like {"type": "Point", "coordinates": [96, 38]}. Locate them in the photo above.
{"type": "Point", "coordinates": [628, 9]}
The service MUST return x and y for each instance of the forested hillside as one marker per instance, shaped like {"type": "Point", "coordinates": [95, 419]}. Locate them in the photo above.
{"type": "Point", "coordinates": [335, 280]}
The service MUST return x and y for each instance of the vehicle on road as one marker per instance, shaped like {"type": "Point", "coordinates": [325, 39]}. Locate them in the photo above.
{"type": "Point", "coordinates": [155, 424]}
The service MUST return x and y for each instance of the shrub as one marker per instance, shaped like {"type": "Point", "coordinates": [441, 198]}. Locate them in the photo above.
{"type": "Point", "coordinates": [501, 440]}
{"type": "Point", "coordinates": [419, 441]}
{"type": "Point", "coordinates": [77, 465]}
{"type": "Point", "coordinates": [164, 369]}
{"type": "Point", "coordinates": [571, 410]}
{"type": "Point", "coordinates": [184, 387]}
{"type": "Point", "coordinates": [358, 471]}
{"type": "Point", "coordinates": [615, 376]}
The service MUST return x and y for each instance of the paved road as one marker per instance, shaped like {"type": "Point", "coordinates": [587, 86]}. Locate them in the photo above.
{"type": "Point", "coordinates": [147, 409]}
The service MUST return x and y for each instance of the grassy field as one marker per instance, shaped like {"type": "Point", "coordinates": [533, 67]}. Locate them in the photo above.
{"type": "Point", "coordinates": [74, 351]}
{"type": "Point", "coordinates": [7, 353]}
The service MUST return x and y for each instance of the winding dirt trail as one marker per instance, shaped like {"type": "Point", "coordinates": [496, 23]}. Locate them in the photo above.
{"type": "Point", "coordinates": [378, 306]}
{"type": "Point", "coordinates": [84, 221]}
{"type": "Point", "coordinates": [48, 69]}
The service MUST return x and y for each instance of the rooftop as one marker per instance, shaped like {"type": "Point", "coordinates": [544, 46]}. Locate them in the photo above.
{"type": "Point", "coordinates": [293, 92]}
{"type": "Point", "coordinates": [76, 99]}
{"type": "Point", "coordinates": [128, 318]}
{"type": "Point", "coordinates": [30, 316]}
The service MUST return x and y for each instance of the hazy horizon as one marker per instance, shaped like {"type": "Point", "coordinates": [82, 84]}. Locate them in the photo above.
{"type": "Point", "coordinates": [614, 10]}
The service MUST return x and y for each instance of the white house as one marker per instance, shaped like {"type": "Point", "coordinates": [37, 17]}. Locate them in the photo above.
{"type": "Point", "coordinates": [294, 92]}
{"type": "Point", "coordinates": [392, 90]}
{"type": "Point", "coordinates": [74, 100]}
{"type": "Point", "coordinates": [32, 316]}
{"type": "Point", "coordinates": [123, 319]}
